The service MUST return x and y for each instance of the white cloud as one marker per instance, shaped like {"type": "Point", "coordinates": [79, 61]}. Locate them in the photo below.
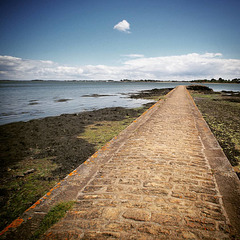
{"type": "Point", "coordinates": [122, 26]}
{"type": "Point", "coordinates": [182, 67]}
{"type": "Point", "coordinates": [134, 55]}
{"type": "Point", "coordinates": [26, 69]}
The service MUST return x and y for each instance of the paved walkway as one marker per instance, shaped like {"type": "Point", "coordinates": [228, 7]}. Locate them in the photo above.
{"type": "Point", "coordinates": [166, 178]}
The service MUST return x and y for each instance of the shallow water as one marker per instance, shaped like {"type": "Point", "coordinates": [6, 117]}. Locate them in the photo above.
{"type": "Point", "coordinates": [26, 100]}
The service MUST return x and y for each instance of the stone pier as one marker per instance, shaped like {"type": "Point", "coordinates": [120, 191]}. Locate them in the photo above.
{"type": "Point", "coordinates": [164, 177]}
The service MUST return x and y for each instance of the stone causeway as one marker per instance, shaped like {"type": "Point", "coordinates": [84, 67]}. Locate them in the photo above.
{"type": "Point", "coordinates": [163, 177]}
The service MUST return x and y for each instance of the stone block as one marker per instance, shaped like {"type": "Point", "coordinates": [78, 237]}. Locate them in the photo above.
{"type": "Point", "coordinates": [111, 213]}
{"type": "Point", "coordinates": [164, 219]}
{"type": "Point", "coordinates": [137, 215]}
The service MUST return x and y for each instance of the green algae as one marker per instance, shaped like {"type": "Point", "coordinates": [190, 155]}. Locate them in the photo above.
{"type": "Point", "coordinates": [53, 216]}
{"type": "Point", "coordinates": [25, 187]}
{"type": "Point", "coordinates": [99, 133]}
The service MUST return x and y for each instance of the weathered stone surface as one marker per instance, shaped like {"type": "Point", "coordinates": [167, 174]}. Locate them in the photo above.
{"type": "Point", "coordinates": [202, 223]}
{"type": "Point", "coordinates": [137, 215]}
{"type": "Point", "coordinates": [153, 229]}
{"type": "Point", "coordinates": [100, 236]}
{"type": "Point", "coordinates": [164, 219]}
{"type": "Point", "coordinates": [111, 213]}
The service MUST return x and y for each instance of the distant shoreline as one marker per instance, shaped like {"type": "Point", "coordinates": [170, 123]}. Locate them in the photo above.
{"type": "Point", "coordinates": [234, 81]}
{"type": "Point", "coordinates": [26, 100]}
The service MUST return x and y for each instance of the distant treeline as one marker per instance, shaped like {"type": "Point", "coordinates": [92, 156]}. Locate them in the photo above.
{"type": "Point", "coordinates": [147, 80]}
{"type": "Point", "coordinates": [220, 80]}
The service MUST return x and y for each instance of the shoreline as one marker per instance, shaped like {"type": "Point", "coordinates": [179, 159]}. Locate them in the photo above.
{"type": "Point", "coordinates": [124, 81]}
{"type": "Point", "coordinates": [39, 153]}
{"type": "Point", "coordinates": [23, 101]}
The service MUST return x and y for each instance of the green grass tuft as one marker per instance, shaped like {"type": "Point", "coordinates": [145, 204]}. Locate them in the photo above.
{"type": "Point", "coordinates": [52, 217]}
{"type": "Point", "coordinates": [100, 133]}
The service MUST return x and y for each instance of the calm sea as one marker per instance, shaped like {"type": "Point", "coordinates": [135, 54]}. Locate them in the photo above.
{"type": "Point", "coordinates": [25, 100]}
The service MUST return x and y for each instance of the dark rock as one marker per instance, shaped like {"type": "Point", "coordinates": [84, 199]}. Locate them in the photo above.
{"type": "Point", "coordinates": [29, 171]}
{"type": "Point", "coordinates": [200, 88]}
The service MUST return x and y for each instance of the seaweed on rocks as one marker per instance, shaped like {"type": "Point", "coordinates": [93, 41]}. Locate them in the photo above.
{"type": "Point", "coordinates": [200, 88]}
{"type": "Point", "coordinates": [151, 93]}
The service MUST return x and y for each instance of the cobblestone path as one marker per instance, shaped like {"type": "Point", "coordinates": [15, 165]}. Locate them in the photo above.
{"type": "Point", "coordinates": [157, 185]}
{"type": "Point", "coordinates": [165, 178]}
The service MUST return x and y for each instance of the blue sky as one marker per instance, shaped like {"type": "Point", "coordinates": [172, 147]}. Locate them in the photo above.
{"type": "Point", "coordinates": [76, 39]}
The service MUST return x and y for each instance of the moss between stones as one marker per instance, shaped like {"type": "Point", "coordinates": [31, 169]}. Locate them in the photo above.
{"type": "Point", "coordinates": [53, 216]}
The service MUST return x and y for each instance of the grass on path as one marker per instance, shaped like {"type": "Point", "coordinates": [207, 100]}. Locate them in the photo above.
{"type": "Point", "coordinates": [53, 216]}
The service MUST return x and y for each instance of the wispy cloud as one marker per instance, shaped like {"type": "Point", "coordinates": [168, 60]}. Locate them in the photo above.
{"type": "Point", "coordinates": [136, 66]}
{"type": "Point", "coordinates": [123, 26]}
{"type": "Point", "coordinates": [134, 55]}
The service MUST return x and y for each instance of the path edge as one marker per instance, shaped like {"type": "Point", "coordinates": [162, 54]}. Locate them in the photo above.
{"type": "Point", "coordinates": [227, 181]}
